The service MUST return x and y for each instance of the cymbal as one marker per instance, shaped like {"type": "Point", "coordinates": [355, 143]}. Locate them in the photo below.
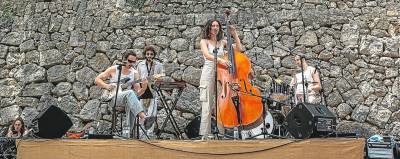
{"type": "Point", "coordinates": [278, 81]}
{"type": "Point", "coordinates": [277, 97]}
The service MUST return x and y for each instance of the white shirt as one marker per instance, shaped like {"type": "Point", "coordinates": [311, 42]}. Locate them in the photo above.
{"type": "Point", "coordinates": [145, 71]}
{"type": "Point", "coordinates": [307, 77]}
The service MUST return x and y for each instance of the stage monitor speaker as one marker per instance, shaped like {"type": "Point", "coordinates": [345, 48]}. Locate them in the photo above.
{"type": "Point", "coordinates": [192, 129]}
{"type": "Point", "coordinates": [52, 123]}
{"type": "Point", "coordinates": [310, 120]}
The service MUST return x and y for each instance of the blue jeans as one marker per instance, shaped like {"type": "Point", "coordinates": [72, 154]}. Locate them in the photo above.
{"type": "Point", "coordinates": [151, 106]}
{"type": "Point", "coordinates": [132, 105]}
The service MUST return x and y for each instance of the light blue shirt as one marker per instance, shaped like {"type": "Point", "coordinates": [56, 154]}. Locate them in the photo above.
{"type": "Point", "coordinates": [156, 68]}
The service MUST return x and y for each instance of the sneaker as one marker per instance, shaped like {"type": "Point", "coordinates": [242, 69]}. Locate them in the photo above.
{"type": "Point", "coordinates": [148, 122]}
{"type": "Point", "coordinates": [151, 135]}
{"type": "Point", "coordinates": [207, 137]}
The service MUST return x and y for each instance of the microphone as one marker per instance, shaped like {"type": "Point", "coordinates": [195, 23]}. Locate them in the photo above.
{"type": "Point", "coordinates": [120, 63]}
{"type": "Point", "coordinates": [215, 51]}
{"type": "Point", "coordinates": [317, 67]}
{"type": "Point", "coordinates": [126, 79]}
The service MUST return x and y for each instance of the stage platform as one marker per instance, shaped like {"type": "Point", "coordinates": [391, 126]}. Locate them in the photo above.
{"type": "Point", "coordinates": [330, 148]}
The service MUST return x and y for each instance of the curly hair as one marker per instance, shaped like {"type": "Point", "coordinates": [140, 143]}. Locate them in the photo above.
{"type": "Point", "coordinates": [149, 48]}
{"type": "Point", "coordinates": [207, 28]}
{"type": "Point", "coordinates": [22, 124]}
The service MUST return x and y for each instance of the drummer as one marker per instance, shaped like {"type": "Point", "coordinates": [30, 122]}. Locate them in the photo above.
{"type": "Point", "coordinates": [312, 82]}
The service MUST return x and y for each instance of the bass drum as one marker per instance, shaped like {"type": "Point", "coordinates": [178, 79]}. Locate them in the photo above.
{"type": "Point", "coordinates": [273, 123]}
{"type": "Point", "coordinates": [192, 129]}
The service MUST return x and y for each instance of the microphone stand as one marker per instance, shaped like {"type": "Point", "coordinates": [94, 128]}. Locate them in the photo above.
{"type": "Point", "coordinates": [322, 92]}
{"type": "Point", "coordinates": [114, 113]}
{"type": "Point", "coordinates": [292, 97]}
{"type": "Point", "coordinates": [264, 131]}
{"type": "Point", "coordinates": [302, 79]}
{"type": "Point", "coordinates": [236, 102]}
{"type": "Point", "coordinates": [215, 131]}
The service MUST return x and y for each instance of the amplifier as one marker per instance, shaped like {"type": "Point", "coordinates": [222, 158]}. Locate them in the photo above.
{"type": "Point", "coordinates": [310, 120]}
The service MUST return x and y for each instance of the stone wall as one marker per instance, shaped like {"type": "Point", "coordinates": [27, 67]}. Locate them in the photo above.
{"type": "Point", "coordinates": [51, 51]}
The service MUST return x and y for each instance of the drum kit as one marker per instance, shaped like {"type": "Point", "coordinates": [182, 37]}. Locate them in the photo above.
{"type": "Point", "coordinates": [278, 102]}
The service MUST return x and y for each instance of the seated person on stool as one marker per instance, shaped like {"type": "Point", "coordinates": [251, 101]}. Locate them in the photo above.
{"type": "Point", "coordinates": [149, 68]}
{"type": "Point", "coordinates": [128, 97]}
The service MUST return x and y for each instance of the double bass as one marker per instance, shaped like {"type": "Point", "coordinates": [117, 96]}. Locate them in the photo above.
{"type": "Point", "coordinates": [239, 103]}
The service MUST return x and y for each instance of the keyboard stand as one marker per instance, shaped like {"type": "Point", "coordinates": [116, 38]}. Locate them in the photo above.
{"type": "Point", "coordinates": [169, 108]}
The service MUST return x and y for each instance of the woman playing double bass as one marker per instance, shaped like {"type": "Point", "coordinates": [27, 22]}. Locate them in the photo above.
{"type": "Point", "coordinates": [212, 38]}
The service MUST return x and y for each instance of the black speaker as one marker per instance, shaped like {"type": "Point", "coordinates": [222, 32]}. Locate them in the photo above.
{"type": "Point", "coordinates": [52, 123]}
{"type": "Point", "coordinates": [192, 129]}
{"type": "Point", "coordinates": [310, 120]}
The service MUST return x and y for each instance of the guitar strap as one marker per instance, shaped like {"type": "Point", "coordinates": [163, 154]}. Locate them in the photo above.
{"type": "Point", "coordinates": [150, 68]}
{"type": "Point", "coordinates": [147, 93]}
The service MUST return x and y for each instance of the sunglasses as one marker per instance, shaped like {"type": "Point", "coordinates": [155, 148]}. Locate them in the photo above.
{"type": "Point", "coordinates": [131, 61]}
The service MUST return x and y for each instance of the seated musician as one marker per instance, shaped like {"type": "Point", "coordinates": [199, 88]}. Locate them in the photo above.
{"type": "Point", "coordinates": [154, 70]}
{"type": "Point", "coordinates": [128, 97]}
{"type": "Point", "coordinates": [312, 80]}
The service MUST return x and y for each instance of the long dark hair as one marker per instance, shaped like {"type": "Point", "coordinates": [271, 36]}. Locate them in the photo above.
{"type": "Point", "coordinates": [22, 125]}
{"type": "Point", "coordinates": [149, 48]}
{"type": "Point", "coordinates": [207, 28]}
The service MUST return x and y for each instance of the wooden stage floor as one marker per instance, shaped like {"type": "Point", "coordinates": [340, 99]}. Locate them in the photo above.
{"type": "Point", "coordinates": [330, 148]}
